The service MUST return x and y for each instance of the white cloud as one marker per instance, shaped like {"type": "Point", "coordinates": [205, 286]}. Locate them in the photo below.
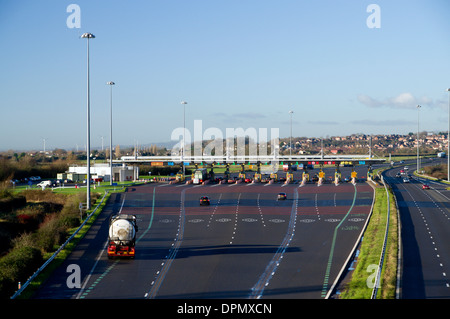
{"type": "Point", "coordinates": [401, 101]}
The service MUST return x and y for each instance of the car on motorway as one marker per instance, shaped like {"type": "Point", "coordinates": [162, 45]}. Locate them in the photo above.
{"type": "Point", "coordinates": [406, 180]}
{"type": "Point", "coordinates": [281, 196]}
{"type": "Point", "coordinates": [425, 186]}
{"type": "Point", "coordinates": [204, 200]}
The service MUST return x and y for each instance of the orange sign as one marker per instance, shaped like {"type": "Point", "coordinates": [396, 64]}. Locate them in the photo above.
{"type": "Point", "coordinates": [157, 164]}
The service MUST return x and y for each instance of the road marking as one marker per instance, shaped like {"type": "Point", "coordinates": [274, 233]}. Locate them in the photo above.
{"type": "Point", "coordinates": [425, 221]}
{"type": "Point", "coordinates": [236, 217]}
{"type": "Point", "coordinates": [214, 211]}
{"type": "Point", "coordinates": [269, 272]}
{"type": "Point", "coordinates": [333, 243]}
{"type": "Point", "coordinates": [156, 284]}
{"type": "Point", "coordinates": [259, 209]}
{"type": "Point", "coordinates": [82, 294]}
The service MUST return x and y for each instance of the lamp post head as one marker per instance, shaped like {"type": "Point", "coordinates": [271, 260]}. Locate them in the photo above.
{"type": "Point", "coordinates": [448, 90]}
{"type": "Point", "coordinates": [418, 106]}
{"type": "Point", "coordinates": [110, 83]}
{"type": "Point", "coordinates": [88, 35]}
{"type": "Point", "coordinates": [183, 102]}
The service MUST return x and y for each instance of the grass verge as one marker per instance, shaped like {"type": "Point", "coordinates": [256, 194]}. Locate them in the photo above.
{"type": "Point", "coordinates": [360, 285]}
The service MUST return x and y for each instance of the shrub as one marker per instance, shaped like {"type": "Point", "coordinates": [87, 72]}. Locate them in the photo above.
{"type": "Point", "coordinates": [17, 266]}
{"type": "Point", "coordinates": [50, 233]}
{"type": "Point", "coordinates": [10, 203]}
{"type": "Point", "coordinates": [37, 195]}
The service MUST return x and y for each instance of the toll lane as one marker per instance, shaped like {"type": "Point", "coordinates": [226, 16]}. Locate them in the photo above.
{"type": "Point", "coordinates": [245, 244]}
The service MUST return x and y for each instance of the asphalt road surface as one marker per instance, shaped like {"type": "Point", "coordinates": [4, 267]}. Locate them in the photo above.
{"type": "Point", "coordinates": [425, 220]}
{"type": "Point", "coordinates": [246, 244]}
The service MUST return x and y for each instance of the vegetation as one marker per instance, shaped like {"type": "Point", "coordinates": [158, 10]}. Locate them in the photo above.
{"type": "Point", "coordinates": [33, 224]}
{"type": "Point", "coordinates": [436, 171]}
{"type": "Point", "coordinates": [370, 253]}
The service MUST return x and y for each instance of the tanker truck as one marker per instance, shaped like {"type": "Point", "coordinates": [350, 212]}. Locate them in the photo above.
{"type": "Point", "coordinates": [122, 235]}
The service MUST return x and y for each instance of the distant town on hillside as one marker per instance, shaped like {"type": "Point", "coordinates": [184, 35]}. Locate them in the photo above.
{"type": "Point", "coordinates": [380, 145]}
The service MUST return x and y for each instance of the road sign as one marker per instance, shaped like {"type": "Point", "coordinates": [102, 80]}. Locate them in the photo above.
{"type": "Point", "coordinates": [157, 164]}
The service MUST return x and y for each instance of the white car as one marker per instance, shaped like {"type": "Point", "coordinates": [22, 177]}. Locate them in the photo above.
{"type": "Point", "coordinates": [406, 180]}
{"type": "Point", "coordinates": [44, 184]}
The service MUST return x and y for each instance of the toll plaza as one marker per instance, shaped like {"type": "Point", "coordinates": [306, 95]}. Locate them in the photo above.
{"type": "Point", "coordinates": [269, 165]}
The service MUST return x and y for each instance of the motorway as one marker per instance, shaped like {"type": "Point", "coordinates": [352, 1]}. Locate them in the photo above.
{"type": "Point", "coordinates": [246, 244]}
{"type": "Point", "coordinates": [425, 237]}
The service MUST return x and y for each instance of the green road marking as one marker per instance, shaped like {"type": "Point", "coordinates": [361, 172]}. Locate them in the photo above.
{"type": "Point", "coordinates": [97, 281]}
{"type": "Point", "coordinates": [151, 219]}
{"type": "Point", "coordinates": [330, 258]}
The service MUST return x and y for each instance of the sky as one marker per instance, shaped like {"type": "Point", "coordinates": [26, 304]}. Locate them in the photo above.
{"type": "Point", "coordinates": [341, 68]}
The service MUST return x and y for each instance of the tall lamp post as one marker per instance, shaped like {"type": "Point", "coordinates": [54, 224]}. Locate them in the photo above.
{"type": "Point", "coordinates": [110, 83]}
{"type": "Point", "coordinates": [290, 138]}
{"type": "Point", "coordinates": [184, 134]}
{"type": "Point", "coordinates": [448, 139]}
{"type": "Point", "coordinates": [418, 159]}
{"type": "Point", "coordinates": [88, 143]}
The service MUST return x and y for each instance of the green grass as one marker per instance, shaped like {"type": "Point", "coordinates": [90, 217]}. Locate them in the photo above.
{"type": "Point", "coordinates": [370, 252]}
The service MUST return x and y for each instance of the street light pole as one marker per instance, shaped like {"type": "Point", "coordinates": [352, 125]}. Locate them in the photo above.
{"type": "Point", "coordinates": [418, 160]}
{"type": "Point", "coordinates": [184, 135]}
{"type": "Point", "coordinates": [88, 143]}
{"type": "Point", "coordinates": [448, 139]}
{"type": "Point", "coordinates": [110, 83]}
{"type": "Point", "coordinates": [290, 138]}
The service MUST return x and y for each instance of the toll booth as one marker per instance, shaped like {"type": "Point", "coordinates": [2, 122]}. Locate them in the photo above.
{"type": "Point", "coordinates": [289, 177]}
{"type": "Point", "coordinates": [337, 175]}
{"type": "Point", "coordinates": [274, 176]}
{"type": "Point", "coordinates": [321, 177]}
{"type": "Point", "coordinates": [305, 176]}
{"type": "Point", "coordinates": [226, 174]}
{"type": "Point", "coordinates": [211, 173]}
{"type": "Point", "coordinates": [180, 177]}
{"type": "Point", "coordinates": [354, 175]}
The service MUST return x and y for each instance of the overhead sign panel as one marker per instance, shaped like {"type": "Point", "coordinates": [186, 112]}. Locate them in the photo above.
{"type": "Point", "coordinates": [157, 164]}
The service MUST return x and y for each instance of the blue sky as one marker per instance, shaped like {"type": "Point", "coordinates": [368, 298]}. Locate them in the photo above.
{"type": "Point", "coordinates": [237, 63]}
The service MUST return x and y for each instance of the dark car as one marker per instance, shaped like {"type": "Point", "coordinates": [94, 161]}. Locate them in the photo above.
{"type": "Point", "coordinates": [281, 196]}
{"type": "Point", "coordinates": [204, 200]}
